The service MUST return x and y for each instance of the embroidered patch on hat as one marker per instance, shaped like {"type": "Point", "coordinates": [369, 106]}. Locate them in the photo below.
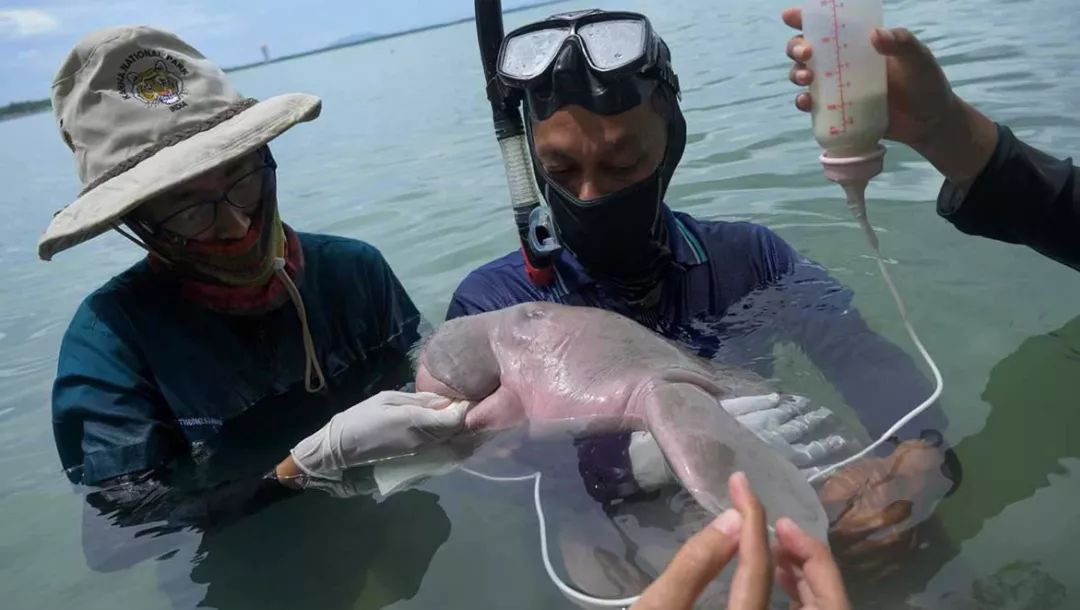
{"type": "Point", "coordinates": [154, 78]}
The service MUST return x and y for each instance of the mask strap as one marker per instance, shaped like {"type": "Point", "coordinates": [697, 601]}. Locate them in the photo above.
{"type": "Point", "coordinates": [313, 383]}
{"type": "Point", "coordinates": [142, 244]}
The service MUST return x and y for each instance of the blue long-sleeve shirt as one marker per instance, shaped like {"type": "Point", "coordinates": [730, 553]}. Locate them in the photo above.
{"type": "Point", "coordinates": [146, 378]}
{"type": "Point", "coordinates": [734, 290]}
{"type": "Point", "coordinates": [169, 412]}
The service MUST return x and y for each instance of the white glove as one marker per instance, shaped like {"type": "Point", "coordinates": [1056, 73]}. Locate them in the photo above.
{"type": "Point", "coordinates": [785, 422]}
{"type": "Point", "coordinates": [385, 426]}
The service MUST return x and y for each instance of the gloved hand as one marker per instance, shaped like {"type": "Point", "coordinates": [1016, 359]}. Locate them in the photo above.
{"type": "Point", "coordinates": [387, 425]}
{"type": "Point", "coordinates": [785, 422]}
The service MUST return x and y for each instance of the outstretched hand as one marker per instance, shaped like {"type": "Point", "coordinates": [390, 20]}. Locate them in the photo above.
{"type": "Point", "coordinates": [803, 565]}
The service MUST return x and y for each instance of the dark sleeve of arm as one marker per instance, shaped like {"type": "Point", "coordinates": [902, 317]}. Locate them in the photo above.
{"type": "Point", "coordinates": [109, 418]}
{"type": "Point", "coordinates": [878, 379]}
{"type": "Point", "coordinates": [1023, 196]}
{"type": "Point", "coordinates": [110, 422]}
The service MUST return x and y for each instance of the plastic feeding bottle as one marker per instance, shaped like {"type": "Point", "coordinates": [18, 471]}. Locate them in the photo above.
{"type": "Point", "coordinates": [850, 116]}
{"type": "Point", "coordinates": [850, 110]}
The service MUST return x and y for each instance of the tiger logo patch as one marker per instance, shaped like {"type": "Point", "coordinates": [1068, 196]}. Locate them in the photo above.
{"type": "Point", "coordinates": [156, 85]}
{"type": "Point", "coordinates": [154, 78]}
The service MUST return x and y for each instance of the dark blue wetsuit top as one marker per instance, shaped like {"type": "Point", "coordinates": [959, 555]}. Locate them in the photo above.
{"type": "Point", "coordinates": [734, 290]}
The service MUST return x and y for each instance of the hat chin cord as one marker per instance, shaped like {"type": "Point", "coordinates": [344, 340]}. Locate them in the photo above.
{"type": "Point", "coordinates": [314, 380]}
{"type": "Point", "coordinates": [140, 243]}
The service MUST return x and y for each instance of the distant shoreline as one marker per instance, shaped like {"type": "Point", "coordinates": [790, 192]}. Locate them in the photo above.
{"type": "Point", "coordinates": [379, 37]}
{"type": "Point", "coordinates": [15, 110]}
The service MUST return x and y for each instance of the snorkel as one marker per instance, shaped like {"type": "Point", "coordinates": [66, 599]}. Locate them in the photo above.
{"type": "Point", "coordinates": [538, 242]}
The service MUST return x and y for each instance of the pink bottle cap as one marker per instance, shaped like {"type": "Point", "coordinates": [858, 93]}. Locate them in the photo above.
{"type": "Point", "coordinates": [854, 170]}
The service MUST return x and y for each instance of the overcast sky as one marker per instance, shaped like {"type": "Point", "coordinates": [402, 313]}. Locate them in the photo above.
{"type": "Point", "coordinates": [36, 35]}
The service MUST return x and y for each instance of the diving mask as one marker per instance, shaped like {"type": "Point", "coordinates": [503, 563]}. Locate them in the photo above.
{"type": "Point", "coordinates": [606, 62]}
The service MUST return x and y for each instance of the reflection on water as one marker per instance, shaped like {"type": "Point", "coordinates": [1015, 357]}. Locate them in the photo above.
{"type": "Point", "coordinates": [1025, 390]}
{"type": "Point", "coordinates": [604, 547]}
{"type": "Point", "coordinates": [323, 552]}
{"type": "Point", "coordinates": [309, 551]}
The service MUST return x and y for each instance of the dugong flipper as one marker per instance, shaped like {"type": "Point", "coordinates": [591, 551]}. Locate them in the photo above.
{"type": "Point", "coordinates": [704, 445]}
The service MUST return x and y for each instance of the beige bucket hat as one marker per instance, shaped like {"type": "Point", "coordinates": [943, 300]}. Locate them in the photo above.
{"type": "Point", "coordinates": [144, 111]}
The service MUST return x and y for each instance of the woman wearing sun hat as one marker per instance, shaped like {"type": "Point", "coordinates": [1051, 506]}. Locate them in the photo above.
{"type": "Point", "coordinates": [184, 381]}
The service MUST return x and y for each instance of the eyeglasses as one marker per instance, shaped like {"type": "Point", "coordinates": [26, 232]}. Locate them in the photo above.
{"type": "Point", "coordinates": [245, 194]}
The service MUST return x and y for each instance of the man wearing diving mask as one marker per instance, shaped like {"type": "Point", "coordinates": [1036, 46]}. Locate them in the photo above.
{"type": "Point", "coordinates": [606, 135]}
{"type": "Point", "coordinates": [605, 185]}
